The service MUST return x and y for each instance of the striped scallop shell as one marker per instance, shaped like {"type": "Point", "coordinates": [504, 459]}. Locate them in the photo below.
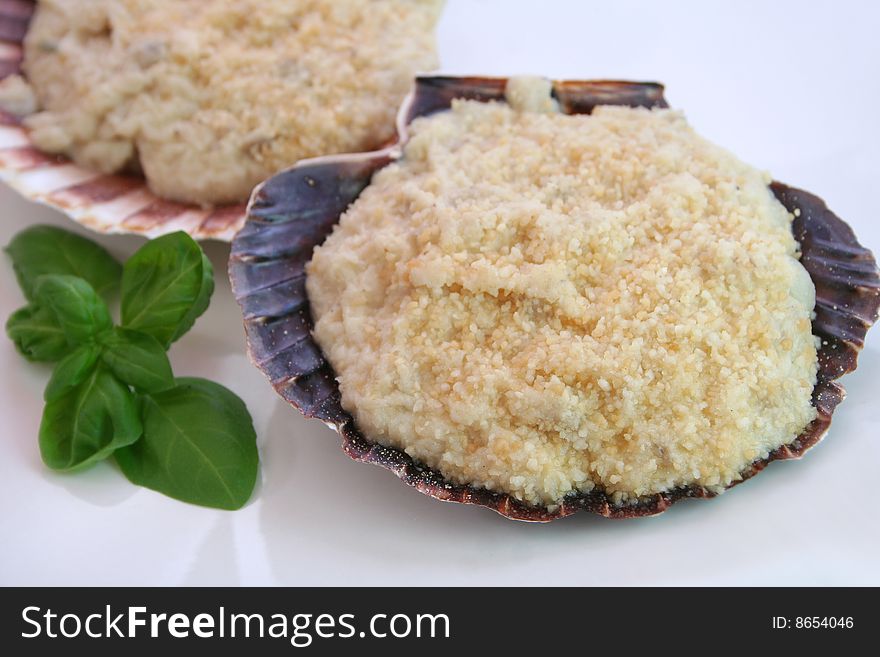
{"type": "Point", "coordinates": [103, 203]}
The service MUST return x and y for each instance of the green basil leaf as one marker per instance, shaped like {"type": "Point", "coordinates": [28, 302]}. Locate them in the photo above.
{"type": "Point", "coordinates": [166, 285]}
{"type": "Point", "coordinates": [80, 312]}
{"type": "Point", "coordinates": [72, 371]}
{"type": "Point", "coordinates": [43, 250]}
{"type": "Point", "coordinates": [89, 422]}
{"type": "Point", "coordinates": [202, 300]}
{"type": "Point", "coordinates": [138, 360]}
{"type": "Point", "coordinates": [198, 446]}
{"type": "Point", "coordinates": [37, 334]}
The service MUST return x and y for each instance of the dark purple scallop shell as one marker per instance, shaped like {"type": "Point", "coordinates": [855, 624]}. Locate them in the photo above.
{"type": "Point", "coordinates": [294, 211]}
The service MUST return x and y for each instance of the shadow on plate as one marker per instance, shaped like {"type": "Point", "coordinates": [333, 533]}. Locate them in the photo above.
{"type": "Point", "coordinates": [315, 499]}
{"type": "Point", "coordinates": [102, 485]}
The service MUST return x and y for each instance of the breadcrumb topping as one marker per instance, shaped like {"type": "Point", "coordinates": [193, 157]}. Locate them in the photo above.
{"type": "Point", "coordinates": [209, 97]}
{"type": "Point", "coordinates": [538, 304]}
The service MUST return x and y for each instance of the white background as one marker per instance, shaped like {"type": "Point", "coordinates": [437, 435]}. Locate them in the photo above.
{"type": "Point", "coordinates": [792, 87]}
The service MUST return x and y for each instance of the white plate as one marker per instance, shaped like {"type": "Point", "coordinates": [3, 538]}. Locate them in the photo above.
{"type": "Point", "coordinates": [792, 87]}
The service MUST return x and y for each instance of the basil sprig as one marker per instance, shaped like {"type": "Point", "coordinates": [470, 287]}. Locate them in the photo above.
{"type": "Point", "coordinates": [112, 391]}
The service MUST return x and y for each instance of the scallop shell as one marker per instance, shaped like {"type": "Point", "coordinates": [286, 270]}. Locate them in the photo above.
{"type": "Point", "coordinates": [294, 211]}
{"type": "Point", "coordinates": [103, 203]}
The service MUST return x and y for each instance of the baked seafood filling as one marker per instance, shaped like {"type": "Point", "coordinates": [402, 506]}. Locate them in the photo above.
{"type": "Point", "coordinates": [208, 97]}
{"type": "Point", "coordinates": [537, 303]}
